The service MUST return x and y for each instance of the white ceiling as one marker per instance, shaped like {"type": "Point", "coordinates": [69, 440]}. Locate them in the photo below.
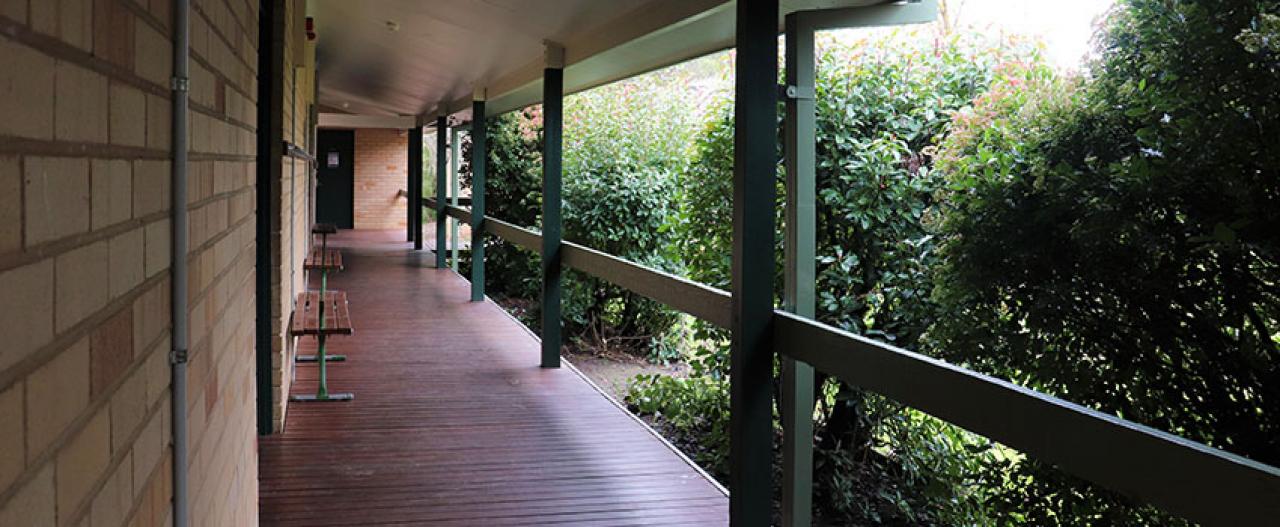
{"type": "Point", "coordinates": [441, 47]}
{"type": "Point", "coordinates": [425, 57]}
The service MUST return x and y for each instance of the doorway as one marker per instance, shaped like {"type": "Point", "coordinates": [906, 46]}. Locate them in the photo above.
{"type": "Point", "coordinates": [335, 179]}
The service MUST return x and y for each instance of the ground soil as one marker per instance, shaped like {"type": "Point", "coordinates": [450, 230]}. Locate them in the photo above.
{"type": "Point", "coordinates": [610, 368]}
{"type": "Point", "coordinates": [613, 371]}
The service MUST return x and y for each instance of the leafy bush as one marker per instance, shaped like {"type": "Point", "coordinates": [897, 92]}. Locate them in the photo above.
{"type": "Point", "coordinates": [694, 413]}
{"type": "Point", "coordinates": [619, 164]}
{"type": "Point", "coordinates": [882, 106]}
{"type": "Point", "coordinates": [1117, 244]}
{"type": "Point", "coordinates": [624, 143]}
{"type": "Point", "coordinates": [513, 192]}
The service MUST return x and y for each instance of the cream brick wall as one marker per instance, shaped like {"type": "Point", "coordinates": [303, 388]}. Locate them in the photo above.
{"type": "Point", "coordinates": [381, 166]}
{"type": "Point", "coordinates": [291, 239]}
{"type": "Point", "coordinates": [84, 263]}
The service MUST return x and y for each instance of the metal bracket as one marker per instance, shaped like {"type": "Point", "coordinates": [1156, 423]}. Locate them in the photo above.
{"type": "Point", "coordinates": [178, 356]}
{"type": "Point", "coordinates": [179, 84]}
{"type": "Point", "coordinates": [799, 93]}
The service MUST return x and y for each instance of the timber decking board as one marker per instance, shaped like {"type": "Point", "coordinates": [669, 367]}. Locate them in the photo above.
{"type": "Point", "coordinates": [455, 423]}
{"type": "Point", "coordinates": [306, 314]}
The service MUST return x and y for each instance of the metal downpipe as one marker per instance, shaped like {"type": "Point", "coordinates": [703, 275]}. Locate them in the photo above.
{"type": "Point", "coordinates": [178, 259]}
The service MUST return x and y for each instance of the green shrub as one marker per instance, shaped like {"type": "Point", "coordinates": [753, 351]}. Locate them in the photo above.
{"type": "Point", "coordinates": [1117, 244]}
{"type": "Point", "coordinates": [882, 107]}
{"type": "Point", "coordinates": [623, 144]}
{"type": "Point", "coordinates": [513, 192]}
{"type": "Point", "coordinates": [694, 413]}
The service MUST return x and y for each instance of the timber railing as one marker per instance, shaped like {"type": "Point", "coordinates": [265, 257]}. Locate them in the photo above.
{"type": "Point", "coordinates": [1181, 476]}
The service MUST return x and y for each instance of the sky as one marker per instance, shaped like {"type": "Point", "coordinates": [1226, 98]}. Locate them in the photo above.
{"type": "Point", "coordinates": [1066, 26]}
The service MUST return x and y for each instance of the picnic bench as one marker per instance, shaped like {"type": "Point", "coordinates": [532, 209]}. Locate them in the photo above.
{"type": "Point", "coordinates": [321, 314]}
{"type": "Point", "coordinates": [322, 259]}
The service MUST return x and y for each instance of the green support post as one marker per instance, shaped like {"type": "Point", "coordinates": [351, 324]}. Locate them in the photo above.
{"type": "Point", "coordinates": [455, 150]}
{"type": "Point", "coordinates": [478, 161]}
{"type": "Point", "coordinates": [442, 130]}
{"type": "Point", "coordinates": [796, 406]}
{"type": "Point", "coordinates": [751, 351]}
{"type": "Point", "coordinates": [552, 123]}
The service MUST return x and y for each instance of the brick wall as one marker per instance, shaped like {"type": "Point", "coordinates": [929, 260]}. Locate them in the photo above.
{"type": "Point", "coordinates": [84, 261]}
{"type": "Point", "coordinates": [291, 232]}
{"type": "Point", "coordinates": [381, 167]}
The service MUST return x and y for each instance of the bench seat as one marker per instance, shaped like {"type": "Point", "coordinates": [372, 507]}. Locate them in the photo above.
{"type": "Point", "coordinates": [322, 259]}
{"type": "Point", "coordinates": [306, 314]}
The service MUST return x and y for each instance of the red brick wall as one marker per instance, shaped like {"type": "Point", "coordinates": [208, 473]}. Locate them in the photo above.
{"type": "Point", "coordinates": [381, 164]}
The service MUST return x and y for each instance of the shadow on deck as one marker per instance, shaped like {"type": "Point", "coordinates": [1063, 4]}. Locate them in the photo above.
{"type": "Point", "coordinates": [453, 422]}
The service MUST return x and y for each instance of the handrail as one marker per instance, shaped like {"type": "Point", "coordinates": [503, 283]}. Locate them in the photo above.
{"type": "Point", "coordinates": [429, 202]}
{"type": "Point", "coordinates": [702, 301]}
{"type": "Point", "coordinates": [298, 152]}
{"type": "Point", "coordinates": [1184, 477]}
{"type": "Point", "coordinates": [1198, 482]}
{"type": "Point", "coordinates": [460, 213]}
{"type": "Point", "coordinates": [526, 238]}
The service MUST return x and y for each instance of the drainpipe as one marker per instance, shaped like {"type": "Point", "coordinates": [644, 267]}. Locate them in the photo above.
{"type": "Point", "coordinates": [178, 262]}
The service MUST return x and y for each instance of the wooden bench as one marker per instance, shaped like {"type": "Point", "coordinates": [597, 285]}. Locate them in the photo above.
{"type": "Point", "coordinates": [306, 315]}
{"type": "Point", "coordinates": [307, 320]}
{"type": "Point", "coordinates": [323, 259]}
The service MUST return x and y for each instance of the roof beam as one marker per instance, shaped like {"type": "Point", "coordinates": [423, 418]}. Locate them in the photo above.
{"type": "Point", "coordinates": [897, 14]}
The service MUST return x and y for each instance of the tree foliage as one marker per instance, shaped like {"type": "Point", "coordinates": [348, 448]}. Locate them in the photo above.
{"type": "Point", "coordinates": [619, 181]}
{"type": "Point", "coordinates": [1113, 239]}
{"type": "Point", "coordinates": [882, 106]}
{"type": "Point", "coordinates": [1119, 244]}
{"type": "Point", "coordinates": [513, 192]}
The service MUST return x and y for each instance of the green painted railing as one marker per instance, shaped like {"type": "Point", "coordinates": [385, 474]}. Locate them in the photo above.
{"type": "Point", "coordinates": [1183, 477]}
{"type": "Point", "coordinates": [702, 301]}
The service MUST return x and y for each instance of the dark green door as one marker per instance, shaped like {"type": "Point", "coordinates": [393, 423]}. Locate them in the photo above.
{"type": "Point", "coordinates": [335, 180]}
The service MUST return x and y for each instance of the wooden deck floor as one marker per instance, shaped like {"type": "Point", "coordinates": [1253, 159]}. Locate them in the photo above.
{"type": "Point", "coordinates": [453, 422]}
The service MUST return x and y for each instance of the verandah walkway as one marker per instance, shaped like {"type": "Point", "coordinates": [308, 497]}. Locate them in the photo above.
{"type": "Point", "coordinates": [454, 423]}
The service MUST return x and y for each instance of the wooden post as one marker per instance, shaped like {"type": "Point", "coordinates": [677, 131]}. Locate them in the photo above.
{"type": "Point", "coordinates": [552, 125]}
{"type": "Point", "coordinates": [751, 355]}
{"type": "Point", "coordinates": [796, 407]}
{"type": "Point", "coordinates": [477, 198]}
